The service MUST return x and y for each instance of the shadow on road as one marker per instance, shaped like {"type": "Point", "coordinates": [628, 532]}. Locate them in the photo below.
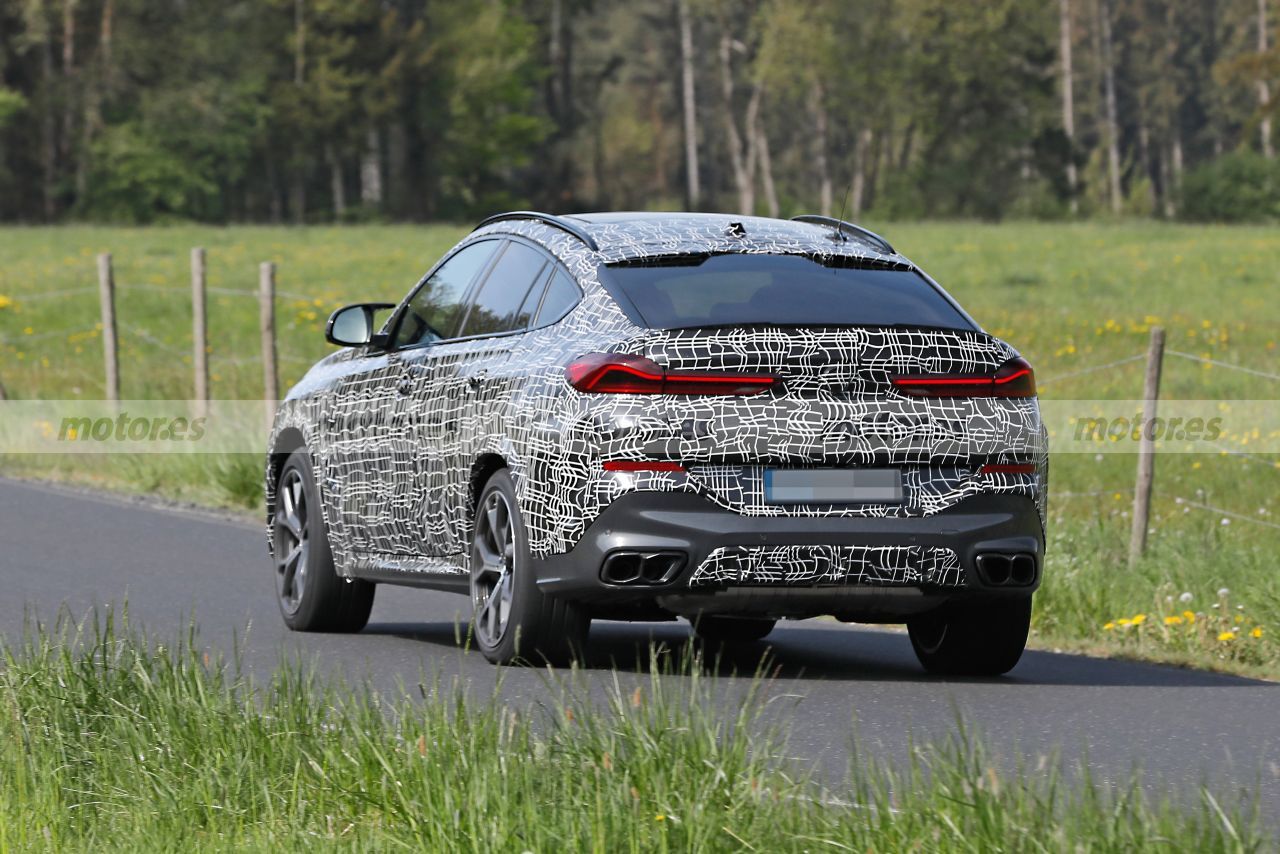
{"type": "Point", "coordinates": [835, 653]}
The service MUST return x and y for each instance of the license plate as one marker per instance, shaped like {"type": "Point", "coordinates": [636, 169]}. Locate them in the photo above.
{"type": "Point", "coordinates": [833, 486]}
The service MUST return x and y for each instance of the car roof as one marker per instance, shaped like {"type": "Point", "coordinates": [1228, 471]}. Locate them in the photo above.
{"type": "Point", "coordinates": [622, 236]}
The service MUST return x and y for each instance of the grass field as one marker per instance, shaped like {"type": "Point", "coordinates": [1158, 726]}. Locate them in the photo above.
{"type": "Point", "coordinates": [1069, 296]}
{"type": "Point", "coordinates": [128, 745]}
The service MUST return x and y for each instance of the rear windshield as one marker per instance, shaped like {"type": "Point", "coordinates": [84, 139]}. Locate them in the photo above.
{"type": "Point", "coordinates": [787, 290]}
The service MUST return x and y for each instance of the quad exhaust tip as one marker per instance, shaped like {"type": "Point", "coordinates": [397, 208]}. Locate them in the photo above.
{"type": "Point", "coordinates": [641, 568]}
{"type": "Point", "coordinates": [1007, 570]}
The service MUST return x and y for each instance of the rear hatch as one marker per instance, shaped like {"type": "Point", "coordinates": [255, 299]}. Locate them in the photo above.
{"type": "Point", "coordinates": [835, 338]}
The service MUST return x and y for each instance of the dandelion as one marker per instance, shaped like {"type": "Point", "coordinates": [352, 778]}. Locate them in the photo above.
{"type": "Point", "coordinates": [659, 817]}
{"type": "Point", "coordinates": [5, 301]}
{"type": "Point", "coordinates": [1189, 616]}
{"type": "Point", "coordinates": [1226, 636]}
{"type": "Point", "coordinates": [1185, 598]}
{"type": "Point", "coordinates": [1124, 621]}
{"type": "Point", "coordinates": [1139, 619]}
{"type": "Point", "coordinates": [1173, 621]}
{"type": "Point", "coordinates": [1108, 626]}
{"type": "Point", "coordinates": [1256, 633]}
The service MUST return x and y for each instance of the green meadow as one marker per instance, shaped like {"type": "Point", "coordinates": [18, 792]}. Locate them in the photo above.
{"type": "Point", "coordinates": [1071, 297]}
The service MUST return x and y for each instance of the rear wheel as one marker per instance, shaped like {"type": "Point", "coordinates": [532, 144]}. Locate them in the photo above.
{"type": "Point", "coordinates": [972, 640]}
{"type": "Point", "coordinates": [720, 629]}
{"type": "Point", "coordinates": [311, 595]}
{"type": "Point", "coordinates": [513, 619]}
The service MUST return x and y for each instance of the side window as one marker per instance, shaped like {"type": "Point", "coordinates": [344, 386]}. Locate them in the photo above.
{"type": "Point", "coordinates": [497, 304]}
{"type": "Point", "coordinates": [436, 307]}
{"type": "Point", "coordinates": [562, 295]}
{"type": "Point", "coordinates": [529, 308]}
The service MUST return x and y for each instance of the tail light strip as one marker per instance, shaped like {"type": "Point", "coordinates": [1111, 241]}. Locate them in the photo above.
{"type": "Point", "coordinates": [1014, 378]}
{"type": "Point", "coordinates": [615, 373]}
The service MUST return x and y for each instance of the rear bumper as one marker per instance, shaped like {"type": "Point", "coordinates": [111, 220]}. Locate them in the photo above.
{"type": "Point", "coordinates": [856, 567]}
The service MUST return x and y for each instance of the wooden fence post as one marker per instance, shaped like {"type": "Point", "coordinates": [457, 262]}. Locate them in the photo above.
{"type": "Point", "coordinates": [110, 347]}
{"type": "Point", "coordinates": [199, 332]}
{"type": "Point", "coordinates": [1146, 447]}
{"type": "Point", "coordinates": [267, 316]}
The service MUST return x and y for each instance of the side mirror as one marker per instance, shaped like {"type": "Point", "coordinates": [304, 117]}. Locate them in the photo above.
{"type": "Point", "coordinates": [352, 325]}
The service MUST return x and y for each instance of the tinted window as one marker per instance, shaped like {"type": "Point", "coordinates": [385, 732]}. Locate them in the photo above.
{"type": "Point", "coordinates": [529, 308]}
{"type": "Point", "coordinates": [731, 290]}
{"type": "Point", "coordinates": [435, 309]}
{"type": "Point", "coordinates": [497, 304]}
{"type": "Point", "coordinates": [562, 295]}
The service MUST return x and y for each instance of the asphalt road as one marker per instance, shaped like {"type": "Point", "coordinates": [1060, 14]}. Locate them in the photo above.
{"type": "Point", "coordinates": [64, 548]}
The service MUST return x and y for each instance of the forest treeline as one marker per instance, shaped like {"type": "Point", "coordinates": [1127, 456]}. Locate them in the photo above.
{"type": "Point", "coordinates": [348, 110]}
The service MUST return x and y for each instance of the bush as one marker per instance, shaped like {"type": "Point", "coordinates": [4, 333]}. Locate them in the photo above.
{"type": "Point", "coordinates": [1238, 187]}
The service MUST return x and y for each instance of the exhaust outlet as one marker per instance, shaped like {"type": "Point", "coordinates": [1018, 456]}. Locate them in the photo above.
{"type": "Point", "coordinates": [1022, 570]}
{"type": "Point", "coordinates": [641, 569]}
{"type": "Point", "coordinates": [1004, 570]}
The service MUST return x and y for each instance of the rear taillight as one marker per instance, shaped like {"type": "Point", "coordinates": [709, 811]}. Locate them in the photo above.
{"type": "Point", "coordinates": [614, 373]}
{"type": "Point", "coordinates": [1014, 378]}
{"type": "Point", "coordinates": [1008, 468]}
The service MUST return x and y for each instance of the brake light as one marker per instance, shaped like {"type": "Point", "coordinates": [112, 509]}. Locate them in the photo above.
{"type": "Point", "coordinates": [1014, 378]}
{"type": "Point", "coordinates": [1008, 468]}
{"type": "Point", "coordinates": [641, 465]}
{"type": "Point", "coordinates": [614, 373]}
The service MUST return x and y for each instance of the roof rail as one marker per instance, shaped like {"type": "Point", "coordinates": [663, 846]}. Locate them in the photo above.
{"type": "Point", "coordinates": [548, 219]}
{"type": "Point", "coordinates": [841, 226]}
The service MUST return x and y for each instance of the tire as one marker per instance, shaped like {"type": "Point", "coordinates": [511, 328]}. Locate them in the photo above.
{"type": "Point", "coordinates": [972, 640]}
{"type": "Point", "coordinates": [514, 621]}
{"type": "Point", "coordinates": [310, 594]}
{"type": "Point", "coordinates": [732, 630]}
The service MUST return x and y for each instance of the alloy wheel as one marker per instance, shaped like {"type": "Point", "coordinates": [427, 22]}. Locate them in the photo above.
{"type": "Point", "coordinates": [292, 541]}
{"type": "Point", "coordinates": [493, 559]}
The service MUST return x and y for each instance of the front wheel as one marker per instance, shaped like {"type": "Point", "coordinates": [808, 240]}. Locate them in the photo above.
{"type": "Point", "coordinates": [972, 640]}
{"type": "Point", "coordinates": [514, 620]}
{"type": "Point", "coordinates": [311, 595]}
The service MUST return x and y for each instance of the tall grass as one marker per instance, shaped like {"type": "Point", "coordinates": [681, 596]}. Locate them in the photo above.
{"type": "Point", "coordinates": [110, 740]}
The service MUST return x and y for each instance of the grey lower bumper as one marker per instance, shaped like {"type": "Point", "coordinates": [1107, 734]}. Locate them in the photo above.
{"type": "Point", "coordinates": [706, 533]}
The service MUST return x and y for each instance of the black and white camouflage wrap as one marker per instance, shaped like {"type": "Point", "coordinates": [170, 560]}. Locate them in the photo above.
{"type": "Point", "coordinates": [396, 471]}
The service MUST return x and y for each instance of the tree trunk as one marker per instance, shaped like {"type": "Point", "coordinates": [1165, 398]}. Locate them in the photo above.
{"type": "Point", "coordinates": [371, 171]}
{"type": "Point", "coordinates": [766, 166]}
{"type": "Point", "coordinates": [1264, 91]}
{"type": "Point", "coordinates": [299, 42]}
{"type": "Point", "coordinates": [298, 195]}
{"type": "Point", "coordinates": [689, 98]}
{"type": "Point", "coordinates": [1068, 99]}
{"type": "Point", "coordinates": [1109, 97]}
{"type": "Point", "coordinates": [822, 165]}
{"type": "Point", "coordinates": [742, 163]}
{"type": "Point", "coordinates": [858, 192]}
{"type": "Point", "coordinates": [336, 187]}
{"type": "Point", "coordinates": [68, 75]}
{"type": "Point", "coordinates": [48, 125]}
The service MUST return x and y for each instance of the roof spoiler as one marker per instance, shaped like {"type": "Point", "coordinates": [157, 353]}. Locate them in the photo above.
{"type": "Point", "coordinates": [841, 227]}
{"type": "Point", "coordinates": [545, 218]}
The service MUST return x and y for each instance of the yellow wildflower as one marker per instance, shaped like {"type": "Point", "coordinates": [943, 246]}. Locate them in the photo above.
{"type": "Point", "coordinates": [1124, 621]}
{"type": "Point", "coordinates": [659, 817]}
{"type": "Point", "coordinates": [1239, 619]}
{"type": "Point", "coordinates": [1189, 616]}
{"type": "Point", "coordinates": [5, 302]}
{"type": "Point", "coordinates": [1226, 636]}
{"type": "Point", "coordinates": [1173, 621]}
{"type": "Point", "coordinates": [1256, 633]}
{"type": "Point", "coordinates": [1139, 619]}
{"type": "Point", "coordinates": [1108, 627]}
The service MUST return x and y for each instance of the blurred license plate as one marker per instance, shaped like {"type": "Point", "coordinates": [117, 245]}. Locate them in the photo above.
{"type": "Point", "coordinates": [833, 486]}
